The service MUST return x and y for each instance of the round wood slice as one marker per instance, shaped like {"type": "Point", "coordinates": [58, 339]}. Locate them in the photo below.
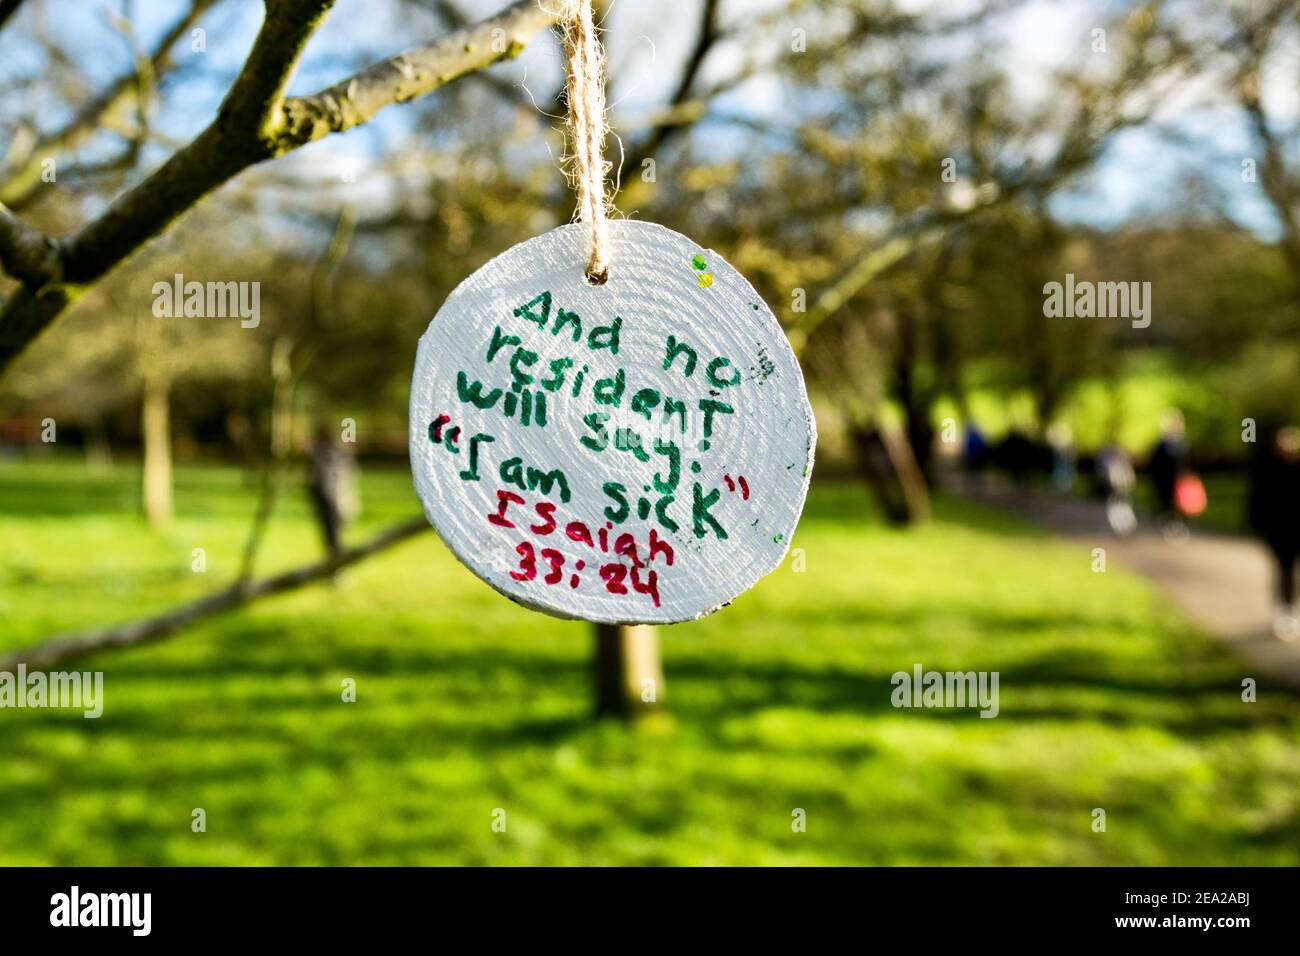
{"type": "Point", "coordinates": [633, 452]}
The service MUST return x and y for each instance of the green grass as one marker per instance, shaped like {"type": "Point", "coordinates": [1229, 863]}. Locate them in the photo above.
{"type": "Point", "coordinates": [467, 703]}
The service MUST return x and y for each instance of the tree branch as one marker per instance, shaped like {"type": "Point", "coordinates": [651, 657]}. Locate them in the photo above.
{"type": "Point", "coordinates": [63, 647]}
{"type": "Point", "coordinates": [257, 94]}
{"type": "Point", "coordinates": [256, 123]}
{"type": "Point", "coordinates": [7, 9]}
{"type": "Point", "coordinates": [676, 116]}
{"type": "Point", "coordinates": [20, 181]}
{"type": "Point", "coordinates": [241, 136]}
{"type": "Point", "coordinates": [409, 75]}
{"type": "Point", "coordinates": [512, 94]}
{"type": "Point", "coordinates": [1256, 40]}
{"type": "Point", "coordinates": [1081, 144]}
{"type": "Point", "coordinates": [26, 253]}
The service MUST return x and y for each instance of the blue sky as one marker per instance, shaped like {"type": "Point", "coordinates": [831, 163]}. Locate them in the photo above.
{"type": "Point", "coordinates": [1139, 175]}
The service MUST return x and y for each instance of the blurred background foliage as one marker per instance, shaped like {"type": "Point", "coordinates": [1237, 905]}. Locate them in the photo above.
{"type": "Point", "coordinates": [900, 180]}
{"type": "Point", "coordinates": [808, 138]}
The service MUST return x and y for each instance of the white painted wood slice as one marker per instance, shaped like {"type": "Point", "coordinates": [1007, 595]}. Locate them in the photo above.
{"type": "Point", "coordinates": [637, 452]}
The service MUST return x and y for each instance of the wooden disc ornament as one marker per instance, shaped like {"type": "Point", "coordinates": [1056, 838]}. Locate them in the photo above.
{"type": "Point", "coordinates": [607, 422]}
{"type": "Point", "coordinates": [633, 452]}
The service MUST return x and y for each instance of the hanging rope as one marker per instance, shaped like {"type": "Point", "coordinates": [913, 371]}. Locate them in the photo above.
{"type": "Point", "coordinates": [585, 92]}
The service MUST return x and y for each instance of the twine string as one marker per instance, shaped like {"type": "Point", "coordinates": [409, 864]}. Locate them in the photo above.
{"type": "Point", "coordinates": [585, 93]}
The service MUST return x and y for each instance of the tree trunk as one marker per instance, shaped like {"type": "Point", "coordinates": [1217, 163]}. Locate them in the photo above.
{"type": "Point", "coordinates": [892, 474]}
{"type": "Point", "coordinates": [629, 676]}
{"type": "Point", "coordinates": [916, 412]}
{"type": "Point", "coordinates": [920, 438]}
{"type": "Point", "coordinates": [916, 490]}
{"type": "Point", "coordinates": [155, 433]}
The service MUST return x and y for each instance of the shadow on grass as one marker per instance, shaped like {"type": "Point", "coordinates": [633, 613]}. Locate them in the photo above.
{"type": "Point", "coordinates": [261, 715]}
{"type": "Point", "coordinates": [244, 693]}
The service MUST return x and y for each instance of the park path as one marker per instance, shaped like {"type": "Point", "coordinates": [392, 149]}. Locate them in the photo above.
{"type": "Point", "coordinates": [1222, 582]}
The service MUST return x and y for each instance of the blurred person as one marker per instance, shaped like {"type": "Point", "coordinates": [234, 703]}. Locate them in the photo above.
{"type": "Point", "coordinates": [1275, 516]}
{"type": "Point", "coordinates": [332, 486]}
{"type": "Point", "coordinates": [974, 454]}
{"type": "Point", "coordinates": [1060, 440]}
{"type": "Point", "coordinates": [1167, 464]}
{"type": "Point", "coordinates": [1020, 456]}
{"type": "Point", "coordinates": [1116, 478]}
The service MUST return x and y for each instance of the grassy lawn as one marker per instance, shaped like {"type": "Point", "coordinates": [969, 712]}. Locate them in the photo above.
{"type": "Point", "coordinates": [467, 703]}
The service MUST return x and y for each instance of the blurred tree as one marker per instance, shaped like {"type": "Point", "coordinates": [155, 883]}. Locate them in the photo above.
{"type": "Point", "coordinates": [1248, 47]}
{"type": "Point", "coordinates": [257, 121]}
{"type": "Point", "coordinates": [127, 354]}
{"type": "Point", "coordinates": [875, 200]}
{"type": "Point", "coordinates": [1261, 36]}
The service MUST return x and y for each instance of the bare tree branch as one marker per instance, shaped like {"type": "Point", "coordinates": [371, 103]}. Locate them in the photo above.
{"type": "Point", "coordinates": [1081, 143]}
{"type": "Point", "coordinates": [26, 253]}
{"type": "Point", "coordinates": [893, 250]}
{"type": "Point", "coordinates": [409, 75]}
{"type": "Point", "coordinates": [1256, 38]}
{"type": "Point", "coordinates": [455, 19]}
{"type": "Point", "coordinates": [256, 123]}
{"type": "Point", "coordinates": [7, 9]}
{"type": "Point", "coordinates": [20, 181]}
{"type": "Point", "coordinates": [242, 135]}
{"type": "Point", "coordinates": [676, 116]}
{"type": "Point", "coordinates": [66, 646]}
